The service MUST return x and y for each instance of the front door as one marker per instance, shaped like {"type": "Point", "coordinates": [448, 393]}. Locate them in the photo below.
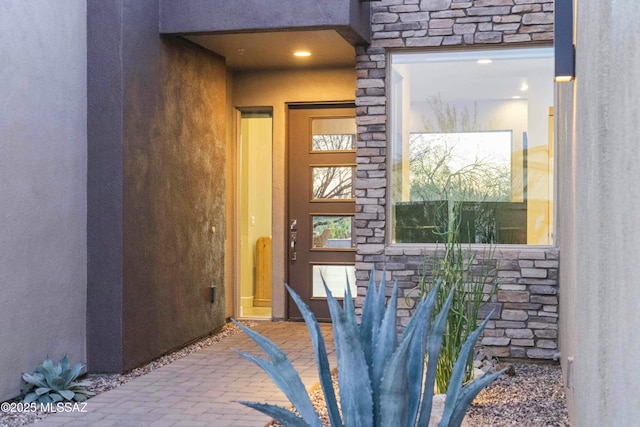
{"type": "Point", "coordinates": [321, 204]}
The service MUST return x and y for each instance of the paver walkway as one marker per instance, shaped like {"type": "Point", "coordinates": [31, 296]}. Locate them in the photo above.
{"type": "Point", "coordinates": [202, 388]}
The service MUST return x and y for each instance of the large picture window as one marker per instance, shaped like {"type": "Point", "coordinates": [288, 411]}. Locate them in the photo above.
{"type": "Point", "coordinates": [472, 146]}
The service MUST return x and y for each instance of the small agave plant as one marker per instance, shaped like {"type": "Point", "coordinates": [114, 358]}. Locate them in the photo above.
{"type": "Point", "coordinates": [52, 383]}
{"type": "Point", "coordinates": [382, 382]}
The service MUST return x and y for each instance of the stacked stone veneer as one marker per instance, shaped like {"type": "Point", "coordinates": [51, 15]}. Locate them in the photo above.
{"type": "Point", "coordinates": [525, 320]}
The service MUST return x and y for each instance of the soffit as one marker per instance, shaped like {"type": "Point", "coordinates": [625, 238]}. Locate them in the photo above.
{"type": "Point", "coordinates": [274, 50]}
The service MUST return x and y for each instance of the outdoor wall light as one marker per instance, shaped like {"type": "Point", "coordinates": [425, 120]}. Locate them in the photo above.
{"type": "Point", "coordinates": [302, 53]}
{"type": "Point", "coordinates": [563, 41]}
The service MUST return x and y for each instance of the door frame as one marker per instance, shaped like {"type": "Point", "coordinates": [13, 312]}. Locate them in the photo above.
{"type": "Point", "coordinates": [299, 106]}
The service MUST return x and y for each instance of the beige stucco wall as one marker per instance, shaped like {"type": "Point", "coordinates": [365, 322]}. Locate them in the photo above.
{"type": "Point", "coordinates": [255, 199]}
{"type": "Point", "coordinates": [599, 201]}
{"type": "Point", "coordinates": [275, 89]}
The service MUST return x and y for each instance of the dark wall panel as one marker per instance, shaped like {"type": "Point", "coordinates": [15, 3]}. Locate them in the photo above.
{"type": "Point", "coordinates": [104, 186]}
{"type": "Point", "coordinates": [172, 156]}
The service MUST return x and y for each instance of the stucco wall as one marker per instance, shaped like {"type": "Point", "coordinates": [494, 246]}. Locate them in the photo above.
{"type": "Point", "coordinates": [525, 320]}
{"type": "Point", "coordinates": [43, 192]}
{"type": "Point", "coordinates": [275, 89]}
{"type": "Point", "coordinates": [166, 177]}
{"type": "Point", "coordinates": [599, 228]}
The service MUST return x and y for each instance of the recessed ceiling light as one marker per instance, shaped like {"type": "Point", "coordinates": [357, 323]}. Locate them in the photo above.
{"type": "Point", "coordinates": [524, 87]}
{"type": "Point", "coordinates": [484, 61]}
{"type": "Point", "coordinates": [301, 53]}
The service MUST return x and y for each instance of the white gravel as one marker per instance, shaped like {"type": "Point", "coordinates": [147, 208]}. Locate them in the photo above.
{"type": "Point", "coordinates": [104, 382]}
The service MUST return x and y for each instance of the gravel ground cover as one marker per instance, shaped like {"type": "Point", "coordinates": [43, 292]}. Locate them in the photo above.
{"type": "Point", "coordinates": [531, 396]}
{"type": "Point", "coordinates": [104, 382]}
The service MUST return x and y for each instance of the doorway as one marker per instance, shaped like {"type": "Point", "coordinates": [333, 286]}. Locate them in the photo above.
{"type": "Point", "coordinates": [321, 204]}
{"type": "Point", "coordinates": [255, 219]}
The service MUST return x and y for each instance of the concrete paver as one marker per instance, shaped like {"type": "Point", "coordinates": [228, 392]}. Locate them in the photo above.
{"type": "Point", "coordinates": [203, 388]}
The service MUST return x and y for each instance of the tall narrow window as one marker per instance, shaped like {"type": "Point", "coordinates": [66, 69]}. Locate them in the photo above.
{"type": "Point", "coordinates": [255, 207]}
{"type": "Point", "coordinates": [470, 146]}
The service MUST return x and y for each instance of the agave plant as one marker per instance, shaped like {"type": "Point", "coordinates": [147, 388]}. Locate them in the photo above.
{"type": "Point", "coordinates": [382, 382]}
{"type": "Point", "coordinates": [55, 383]}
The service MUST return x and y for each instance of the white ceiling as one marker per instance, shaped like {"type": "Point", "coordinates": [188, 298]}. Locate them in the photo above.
{"type": "Point", "coordinates": [275, 50]}
{"type": "Point", "coordinates": [455, 75]}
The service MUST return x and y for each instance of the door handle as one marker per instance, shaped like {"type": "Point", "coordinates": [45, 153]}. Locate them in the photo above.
{"type": "Point", "coordinates": [293, 237]}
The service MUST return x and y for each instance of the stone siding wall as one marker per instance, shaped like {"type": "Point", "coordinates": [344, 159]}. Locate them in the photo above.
{"type": "Point", "coordinates": [525, 320]}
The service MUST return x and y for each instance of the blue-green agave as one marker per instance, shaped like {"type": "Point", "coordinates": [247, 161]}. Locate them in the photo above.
{"type": "Point", "coordinates": [381, 382]}
{"type": "Point", "coordinates": [55, 383]}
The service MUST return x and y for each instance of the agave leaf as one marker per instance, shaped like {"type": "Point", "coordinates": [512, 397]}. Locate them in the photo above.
{"type": "Point", "coordinates": [55, 397]}
{"type": "Point", "coordinates": [67, 394]}
{"type": "Point", "coordinates": [353, 372]}
{"type": "Point", "coordinates": [278, 413]}
{"type": "Point", "coordinates": [367, 319]}
{"type": "Point", "coordinates": [283, 374]}
{"type": "Point", "coordinates": [36, 379]}
{"type": "Point", "coordinates": [378, 309]}
{"type": "Point", "coordinates": [31, 397]}
{"type": "Point", "coordinates": [42, 390]}
{"type": "Point", "coordinates": [57, 383]}
{"type": "Point", "coordinates": [433, 345]}
{"type": "Point", "coordinates": [50, 375]}
{"type": "Point", "coordinates": [468, 393]}
{"type": "Point", "coordinates": [393, 388]}
{"type": "Point", "coordinates": [75, 371]}
{"type": "Point", "coordinates": [384, 347]}
{"type": "Point", "coordinates": [65, 376]}
{"type": "Point", "coordinates": [457, 375]}
{"type": "Point", "coordinates": [349, 307]}
{"type": "Point", "coordinates": [288, 381]}
{"type": "Point", "coordinates": [64, 363]}
{"type": "Point", "coordinates": [46, 398]}
{"type": "Point", "coordinates": [319, 347]}
{"type": "Point", "coordinates": [80, 397]}
{"type": "Point", "coordinates": [417, 350]}
{"type": "Point", "coordinates": [47, 365]}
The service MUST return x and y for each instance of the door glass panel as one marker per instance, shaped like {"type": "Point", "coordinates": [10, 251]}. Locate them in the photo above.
{"type": "Point", "coordinates": [332, 231]}
{"type": "Point", "coordinates": [333, 134]}
{"type": "Point", "coordinates": [333, 182]}
{"type": "Point", "coordinates": [336, 277]}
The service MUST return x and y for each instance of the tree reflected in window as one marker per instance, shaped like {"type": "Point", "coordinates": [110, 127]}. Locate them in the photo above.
{"type": "Point", "coordinates": [333, 142]}
{"type": "Point", "coordinates": [334, 182]}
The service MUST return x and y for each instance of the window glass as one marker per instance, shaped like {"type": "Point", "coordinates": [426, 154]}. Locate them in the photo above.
{"type": "Point", "coordinates": [333, 134]}
{"type": "Point", "coordinates": [332, 232]}
{"type": "Point", "coordinates": [332, 182]}
{"type": "Point", "coordinates": [336, 278]}
{"type": "Point", "coordinates": [472, 146]}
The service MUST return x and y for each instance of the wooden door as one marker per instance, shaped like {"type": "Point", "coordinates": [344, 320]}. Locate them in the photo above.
{"type": "Point", "coordinates": [321, 204]}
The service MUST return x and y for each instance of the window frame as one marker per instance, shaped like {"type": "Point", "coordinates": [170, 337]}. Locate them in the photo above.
{"type": "Point", "coordinates": [391, 123]}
